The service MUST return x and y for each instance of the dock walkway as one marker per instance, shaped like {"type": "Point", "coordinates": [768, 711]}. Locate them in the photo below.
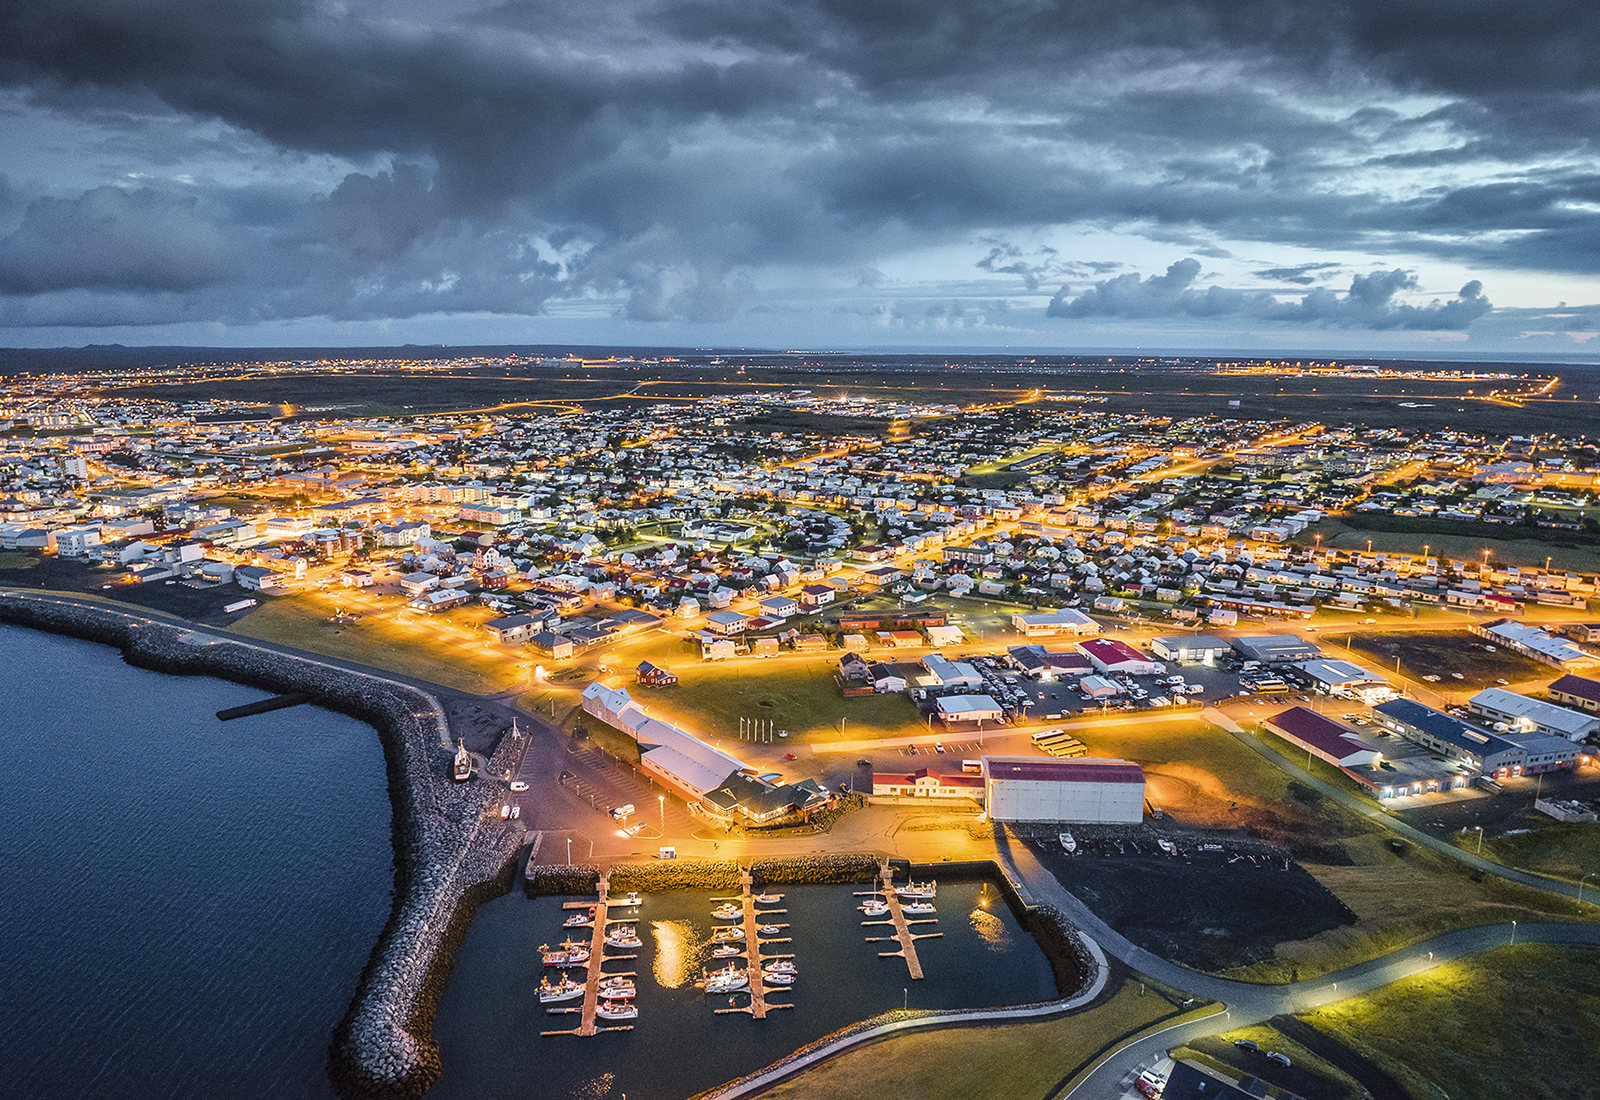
{"type": "Point", "coordinates": [595, 971]}
{"type": "Point", "coordinates": [903, 935]}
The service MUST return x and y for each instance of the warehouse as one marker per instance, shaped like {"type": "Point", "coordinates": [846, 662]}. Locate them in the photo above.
{"type": "Point", "coordinates": [1049, 623]}
{"type": "Point", "coordinates": [1480, 750]}
{"type": "Point", "coordinates": [1110, 655]}
{"type": "Point", "coordinates": [959, 710]}
{"type": "Point", "coordinates": [1526, 715]}
{"type": "Point", "coordinates": [1026, 788]}
{"type": "Point", "coordinates": [1324, 738]}
{"type": "Point", "coordinates": [1276, 649]}
{"type": "Point", "coordinates": [1187, 649]}
{"type": "Point", "coordinates": [1332, 677]}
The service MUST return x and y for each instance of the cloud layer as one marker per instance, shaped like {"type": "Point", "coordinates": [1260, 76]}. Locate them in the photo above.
{"type": "Point", "coordinates": [701, 162]}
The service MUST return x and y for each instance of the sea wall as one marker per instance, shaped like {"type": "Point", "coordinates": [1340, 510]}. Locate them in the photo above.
{"type": "Point", "coordinates": [452, 851]}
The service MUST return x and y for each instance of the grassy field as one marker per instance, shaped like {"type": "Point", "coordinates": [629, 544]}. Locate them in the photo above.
{"type": "Point", "coordinates": [11, 560]}
{"type": "Point", "coordinates": [440, 649]}
{"type": "Point", "coordinates": [1441, 653]}
{"type": "Point", "coordinates": [994, 1062]}
{"type": "Point", "coordinates": [1517, 1023]}
{"type": "Point", "coordinates": [1510, 545]}
{"type": "Point", "coordinates": [1219, 1053]}
{"type": "Point", "coordinates": [795, 694]}
{"type": "Point", "coordinates": [1567, 850]}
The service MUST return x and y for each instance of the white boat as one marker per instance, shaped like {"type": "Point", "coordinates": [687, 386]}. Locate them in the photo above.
{"type": "Point", "coordinates": [723, 935]}
{"type": "Point", "coordinates": [917, 890]}
{"type": "Point", "coordinates": [565, 990]}
{"type": "Point", "coordinates": [617, 1010]}
{"type": "Point", "coordinates": [624, 935]}
{"type": "Point", "coordinates": [1068, 843]}
{"type": "Point", "coordinates": [727, 911]}
{"type": "Point", "coordinates": [568, 954]}
{"type": "Point", "coordinates": [726, 951]}
{"type": "Point", "coordinates": [767, 899]}
{"type": "Point", "coordinates": [617, 988]}
{"type": "Point", "coordinates": [918, 907]}
{"type": "Point", "coordinates": [772, 977]}
{"type": "Point", "coordinates": [768, 929]}
{"type": "Point", "coordinates": [1167, 846]}
{"type": "Point", "coordinates": [579, 920]}
{"type": "Point", "coordinates": [877, 907]}
{"type": "Point", "coordinates": [728, 979]}
{"type": "Point", "coordinates": [778, 966]}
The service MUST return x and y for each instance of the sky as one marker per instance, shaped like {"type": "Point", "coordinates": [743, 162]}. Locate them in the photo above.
{"type": "Point", "coordinates": [1417, 177]}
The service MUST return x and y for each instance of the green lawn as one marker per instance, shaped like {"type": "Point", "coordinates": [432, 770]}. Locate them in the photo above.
{"type": "Point", "coordinates": [1568, 851]}
{"type": "Point", "coordinates": [12, 560]}
{"type": "Point", "coordinates": [1510, 545]}
{"type": "Point", "coordinates": [1517, 1023]}
{"type": "Point", "coordinates": [993, 1062]}
{"type": "Point", "coordinates": [795, 694]}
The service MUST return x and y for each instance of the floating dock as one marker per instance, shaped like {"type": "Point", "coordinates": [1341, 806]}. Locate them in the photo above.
{"type": "Point", "coordinates": [902, 935]}
{"type": "Point", "coordinates": [596, 969]}
{"type": "Point", "coordinates": [262, 706]}
{"type": "Point", "coordinates": [759, 1006]}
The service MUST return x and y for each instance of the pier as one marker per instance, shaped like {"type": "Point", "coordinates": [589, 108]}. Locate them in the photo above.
{"type": "Point", "coordinates": [596, 969]}
{"type": "Point", "coordinates": [759, 1006]}
{"type": "Point", "coordinates": [262, 706]}
{"type": "Point", "coordinates": [902, 935]}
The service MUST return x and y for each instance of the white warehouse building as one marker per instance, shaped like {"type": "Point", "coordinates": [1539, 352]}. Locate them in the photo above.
{"type": "Point", "coordinates": [1027, 788]}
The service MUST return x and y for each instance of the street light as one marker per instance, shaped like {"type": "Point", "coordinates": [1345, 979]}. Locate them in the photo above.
{"type": "Point", "coordinates": [1513, 932]}
{"type": "Point", "coordinates": [569, 851]}
{"type": "Point", "coordinates": [1590, 875]}
{"type": "Point", "coordinates": [661, 798]}
{"type": "Point", "coordinates": [1480, 838]}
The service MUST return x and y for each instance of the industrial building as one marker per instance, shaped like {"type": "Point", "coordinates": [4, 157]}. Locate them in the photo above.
{"type": "Point", "coordinates": [1483, 752]}
{"type": "Point", "coordinates": [1276, 649]}
{"type": "Point", "coordinates": [1110, 655]}
{"type": "Point", "coordinates": [961, 710]}
{"type": "Point", "coordinates": [1321, 736]}
{"type": "Point", "coordinates": [1576, 691]}
{"type": "Point", "coordinates": [927, 783]}
{"type": "Point", "coordinates": [1525, 715]}
{"type": "Point", "coordinates": [1050, 623]}
{"type": "Point", "coordinates": [1026, 788]}
{"type": "Point", "coordinates": [1334, 677]}
{"type": "Point", "coordinates": [1190, 649]}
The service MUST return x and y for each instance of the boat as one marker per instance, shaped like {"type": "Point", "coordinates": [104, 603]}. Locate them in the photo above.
{"type": "Point", "coordinates": [768, 929]}
{"type": "Point", "coordinates": [728, 979]}
{"type": "Point", "coordinates": [579, 920]}
{"type": "Point", "coordinates": [724, 935]}
{"type": "Point", "coordinates": [617, 1010]}
{"type": "Point", "coordinates": [630, 898]}
{"type": "Point", "coordinates": [727, 911]}
{"type": "Point", "coordinates": [767, 899]}
{"type": "Point", "coordinates": [877, 907]}
{"type": "Point", "coordinates": [918, 907]}
{"type": "Point", "coordinates": [568, 954]}
{"type": "Point", "coordinates": [774, 977]}
{"type": "Point", "coordinates": [463, 767]}
{"type": "Point", "coordinates": [624, 935]}
{"type": "Point", "coordinates": [565, 990]}
{"type": "Point", "coordinates": [726, 951]}
{"type": "Point", "coordinates": [1167, 846]}
{"type": "Point", "coordinates": [1068, 843]}
{"type": "Point", "coordinates": [617, 988]}
{"type": "Point", "coordinates": [917, 890]}
{"type": "Point", "coordinates": [778, 966]}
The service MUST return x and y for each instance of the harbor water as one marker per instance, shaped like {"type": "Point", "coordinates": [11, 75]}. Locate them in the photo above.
{"type": "Point", "coordinates": [490, 1020]}
{"type": "Point", "coordinates": [187, 904]}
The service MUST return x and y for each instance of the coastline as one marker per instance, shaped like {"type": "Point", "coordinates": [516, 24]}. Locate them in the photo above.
{"type": "Point", "coordinates": [450, 852]}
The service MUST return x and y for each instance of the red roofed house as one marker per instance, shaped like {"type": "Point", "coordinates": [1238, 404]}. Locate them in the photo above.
{"type": "Point", "coordinates": [1110, 655]}
{"type": "Point", "coordinates": [1324, 738]}
{"type": "Point", "coordinates": [1028, 788]}
{"type": "Point", "coordinates": [927, 783]}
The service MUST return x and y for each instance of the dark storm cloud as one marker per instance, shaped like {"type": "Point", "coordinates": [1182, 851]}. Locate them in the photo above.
{"type": "Point", "coordinates": [1368, 304]}
{"type": "Point", "coordinates": [664, 150]}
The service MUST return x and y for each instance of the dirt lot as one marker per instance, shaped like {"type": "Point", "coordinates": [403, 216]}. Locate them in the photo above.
{"type": "Point", "coordinates": [1443, 653]}
{"type": "Point", "coordinates": [1208, 910]}
{"type": "Point", "coordinates": [202, 605]}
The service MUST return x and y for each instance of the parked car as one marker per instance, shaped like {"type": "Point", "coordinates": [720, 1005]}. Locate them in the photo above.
{"type": "Point", "coordinates": [1278, 1057]}
{"type": "Point", "coordinates": [519, 784]}
{"type": "Point", "coordinates": [1246, 1044]}
{"type": "Point", "coordinates": [620, 812]}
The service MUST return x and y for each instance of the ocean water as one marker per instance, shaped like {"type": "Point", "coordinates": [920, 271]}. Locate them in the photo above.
{"type": "Point", "coordinates": [490, 1019]}
{"type": "Point", "coordinates": [185, 904]}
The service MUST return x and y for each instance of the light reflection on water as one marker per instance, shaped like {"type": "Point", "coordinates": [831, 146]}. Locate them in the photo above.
{"type": "Point", "coordinates": [991, 930]}
{"type": "Point", "coordinates": [678, 952]}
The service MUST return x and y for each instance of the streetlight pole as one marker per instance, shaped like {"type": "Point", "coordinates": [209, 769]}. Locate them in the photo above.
{"type": "Point", "coordinates": [1513, 932]}
{"type": "Point", "coordinates": [662, 799]}
{"type": "Point", "coordinates": [1480, 839]}
{"type": "Point", "coordinates": [1590, 875]}
{"type": "Point", "coordinates": [569, 851]}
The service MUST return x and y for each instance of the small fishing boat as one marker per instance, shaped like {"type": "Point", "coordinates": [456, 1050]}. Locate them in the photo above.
{"type": "Point", "coordinates": [915, 891]}
{"type": "Point", "coordinates": [624, 935]}
{"type": "Point", "coordinates": [727, 911]}
{"type": "Point", "coordinates": [877, 907]}
{"type": "Point", "coordinates": [778, 966]}
{"type": "Point", "coordinates": [918, 907]}
{"type": "Point", "coordinates": [1068, 844]}
{"type": "Point", "coordinates": [617, 1010]}
{"type": "Point", "coordinates": [579, 919]}
{"type": "Point", "coordinates": [564, 990]}
{"type": "Point", "coordinates": [767, 899]}
{"type": "Point", "coordinates": [726, 951]}
{"type": "Point", "coordinates": [775, 978]}
{"type": "Point", "coordinates": [768, 929]}
{"type": "Point", "coordinates": [617, 988]}
{"type": "Point", "coordinates": [568, 954]}
{"type": "Point", "coordinates": [728, 979]}
{"type": "Point", "coordinates": [724, 935]}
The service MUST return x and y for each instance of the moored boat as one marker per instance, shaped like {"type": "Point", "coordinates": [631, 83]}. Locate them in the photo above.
{"type": "Point", "coordinates": [624, 935]}
{"type": "Point", "coordinates": [775, 977]}
{"type": "Point", "coordinates": [579, 919]}
{"type": "Point", "coordinates": [727, 911]}
{"type": "Point", "coordinates": [564, 990]}
{"type": "Point", "coordinates": [1068, 843]}
{"type": "Point", "coordinates": [617, 1010]}
{"type": "Point", "coordinates": [877, 907]}
{"type": "Point", "coordinates": [725, 951]}
{"type": "Point", "coordinates": [723, 935]}
{"type": "Point", "coordinates": [917, 890]}
{"type": "Point", "coordinates": [617, 988]}
{"type": "Point", "coordinates": [728, 979]}
{"type": "Point", "coordinates": [778, 966]}
{"type": "Point", "coordinates": [767, 899]}
{"type": "Point", "coordinates": [568, 954]}
{"type": "Point", "coordinates": [767, 929]}
{"type": "Point", "coordinates": [918, 907]}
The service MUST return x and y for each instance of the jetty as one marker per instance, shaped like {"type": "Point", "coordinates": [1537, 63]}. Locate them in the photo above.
{"type": "Point", "coordinates": [759, 1006]}
{"type": "Point", "coordinates": [262, 706]}
{"type": "Point", "coordinates": [903, 935]}
{"type": "Point", "coordinates": [596, 970]}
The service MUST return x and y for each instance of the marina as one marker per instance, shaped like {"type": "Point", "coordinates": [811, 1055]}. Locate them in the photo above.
{"type": "Point", "coordinates": [597, 1003]}
{"type": "Point", "coordinates": [897, 910]}
{"type": "Point", "coordinates": [490, 1020]}
{"type": "Point", "coordinates": [756, 984]}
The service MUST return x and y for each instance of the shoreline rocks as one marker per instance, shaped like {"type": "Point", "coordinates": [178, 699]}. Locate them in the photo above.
{"type": "Point", "coordinates": [452, 851]}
